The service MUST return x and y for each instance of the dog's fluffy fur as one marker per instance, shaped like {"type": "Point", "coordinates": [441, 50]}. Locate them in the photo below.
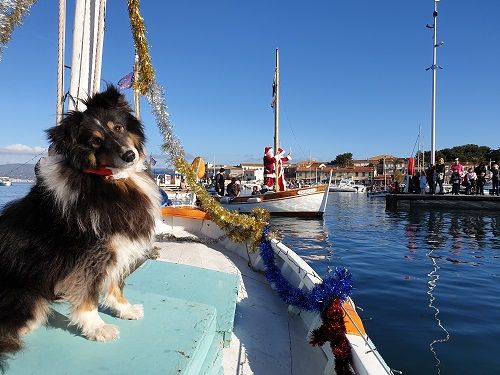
{"type": "Point", "coordinates": [76, 234]}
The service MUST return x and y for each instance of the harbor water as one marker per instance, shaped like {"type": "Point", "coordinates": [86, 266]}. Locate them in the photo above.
{"type": "Point", "coordinates": [427, 284]}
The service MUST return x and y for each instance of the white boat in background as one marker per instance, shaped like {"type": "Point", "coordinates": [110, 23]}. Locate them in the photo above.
{"type": "Point", "coordinates": [347, 185]}
{"type": "Point", "coordinates": [303, 202]}
{"type": "Point", "coordinates": [5, 181]}
{"type": "Point", "coordinates": [262, 314]}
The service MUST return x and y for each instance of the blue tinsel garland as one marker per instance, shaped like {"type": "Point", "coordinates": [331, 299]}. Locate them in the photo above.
{"type": "Point", "coordinates": [337, 286]}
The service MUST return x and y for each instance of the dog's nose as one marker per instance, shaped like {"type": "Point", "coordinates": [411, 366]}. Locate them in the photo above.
{"type": "Point", "coordinates": [128, 156]}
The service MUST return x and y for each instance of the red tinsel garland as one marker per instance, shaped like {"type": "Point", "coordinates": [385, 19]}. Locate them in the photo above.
{"type": "Point", "coordinates": [333, 330]}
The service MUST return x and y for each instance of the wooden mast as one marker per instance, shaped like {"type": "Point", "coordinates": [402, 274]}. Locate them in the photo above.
{"type": "Point", "coordinates": [276, 119]}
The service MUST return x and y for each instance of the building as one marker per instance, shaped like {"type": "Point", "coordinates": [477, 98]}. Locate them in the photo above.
{"type": "Point", "coordinates": [212, 169]}
{"type": "Point", "coordinates": [389, 164]}
{"type": "Point", "coordinates": [253, 175]}
{"type": "Point", "coordinates": [311, 172]}
{"type": "Point", "coordinates": [251, 166]}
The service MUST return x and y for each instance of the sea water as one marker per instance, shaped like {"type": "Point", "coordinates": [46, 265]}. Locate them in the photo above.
{"type": "Point", "coordinates": [427, 284]}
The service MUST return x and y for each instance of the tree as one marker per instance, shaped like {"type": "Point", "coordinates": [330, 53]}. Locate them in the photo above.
{"type": "Point", "coordinates": [343, 160]}
{"type": "Point", "coordinates": [470, 152]}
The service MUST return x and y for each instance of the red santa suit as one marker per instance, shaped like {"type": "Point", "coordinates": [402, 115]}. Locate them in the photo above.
{"type": "Point", "coordinates": [270, 168]}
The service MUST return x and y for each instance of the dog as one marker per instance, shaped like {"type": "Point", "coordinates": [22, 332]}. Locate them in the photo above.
{"type": "Point", "coordinates": [86, 222]}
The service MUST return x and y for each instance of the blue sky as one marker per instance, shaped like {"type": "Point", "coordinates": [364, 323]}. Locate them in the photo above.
{"type": "Point", "coordinates": [353, 75]}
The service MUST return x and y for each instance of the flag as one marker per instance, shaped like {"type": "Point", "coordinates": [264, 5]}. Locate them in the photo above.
{"type": "Point", "coordinates": [273, 103]}
{"type": "Point", "coordinates": [152, 161]}
{"type": "Point", "coordinates": [127, 81]}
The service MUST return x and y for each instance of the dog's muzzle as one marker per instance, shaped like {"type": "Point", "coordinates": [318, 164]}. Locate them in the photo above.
{"type": "Point", "coordinates": [128, 156]}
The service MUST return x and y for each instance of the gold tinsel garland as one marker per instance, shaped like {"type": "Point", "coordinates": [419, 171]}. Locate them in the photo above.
{"type": "Point", "coordinates": [239, 227]}
{"type": "Point", "coordinates": [12, 13]}
{"type": "Point", "coordinates": [146, 70]}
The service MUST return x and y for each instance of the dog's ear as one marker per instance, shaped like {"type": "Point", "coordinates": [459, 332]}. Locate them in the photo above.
{"type": "Point", "coordinates": [63, 136]}
{"type": "Point", "coordinates": [110, 98]}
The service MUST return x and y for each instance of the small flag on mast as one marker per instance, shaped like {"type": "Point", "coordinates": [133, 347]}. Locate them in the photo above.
{"type": "Point", "coordinates": [152, 161]}
{"type": "Point", "coordinates": [127, 81]}
{"type": "Point", "coordinates": [273, 103]}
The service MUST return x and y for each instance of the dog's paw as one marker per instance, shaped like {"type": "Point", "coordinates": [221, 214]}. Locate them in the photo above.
{"type": "Point", "coordinates": [132, 312]}
{"type": "Point", "coordinates": [105, 332]}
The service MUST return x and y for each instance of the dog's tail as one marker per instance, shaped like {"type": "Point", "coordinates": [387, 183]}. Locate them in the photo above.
{"type": "Point", "coordinates": [10, 342]}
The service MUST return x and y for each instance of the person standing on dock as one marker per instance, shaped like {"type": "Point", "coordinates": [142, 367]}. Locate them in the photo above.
{"type": "Point", "coordinates": [481, 178]}
{"type": "Point", "coordinates": [422, 181]}
{"type": "Point", "coordinates": [220, 182]}
{"type": "Point", "coordinates": [494, 179]}
{"type": "Point", "coordinates": [457, 167]}
{"type": "Point", "coordinates": [455, 183]}
{"type": "Point", "coordinates": [440, 170]}
{"type": "Point", "coordinates": [429, 173]}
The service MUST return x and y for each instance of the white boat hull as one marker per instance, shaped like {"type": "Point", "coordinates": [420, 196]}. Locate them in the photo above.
{"type": "Point", "coordinates": [366, 359]}
{"type": "Point", "coordinates": [5, 183]}
{"type": "Point", "coordinates": [305, 202]}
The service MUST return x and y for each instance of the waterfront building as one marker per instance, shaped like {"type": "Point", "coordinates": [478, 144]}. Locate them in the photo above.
{"type": "Point", "coordinates": [253, 175]}
{"type": "Point", "coordinates": [311, 172]}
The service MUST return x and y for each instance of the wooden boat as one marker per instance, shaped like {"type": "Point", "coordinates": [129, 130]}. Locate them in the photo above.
{"type": "Point", "coordinates": [303, 202]}
{"type": "Point", "coordinates": [192, 292]}
{"type": "Point", "coordinates": [266, 328]}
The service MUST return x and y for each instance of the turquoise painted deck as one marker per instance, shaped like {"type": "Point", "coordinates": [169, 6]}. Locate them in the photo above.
{"type": "Point", "coordinates": [176, 335]}
{"type": "Point", "coordinates": [200, 285]}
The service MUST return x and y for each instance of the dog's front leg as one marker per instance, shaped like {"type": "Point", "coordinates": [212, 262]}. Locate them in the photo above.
{"type": "Point", "coordinates": [115, 300]}
{"type": "Point", "coordinates": [85, 316]}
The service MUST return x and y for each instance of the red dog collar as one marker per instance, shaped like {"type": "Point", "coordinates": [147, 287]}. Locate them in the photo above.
{"type": "Point", "coordinates": [101, 171]}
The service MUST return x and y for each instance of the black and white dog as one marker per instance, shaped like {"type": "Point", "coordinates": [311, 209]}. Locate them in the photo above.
{"type": "Point", "coordinates": [89, 218]}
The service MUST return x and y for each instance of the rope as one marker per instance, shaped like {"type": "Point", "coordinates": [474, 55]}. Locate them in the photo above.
{"type": "Point", "coordinates": [81, 52]}
{"type": "Point", "coordinates": [19, 166]}
{"type": "Point", "coordinates": [61, 33]}
{"type": "Point", "coordinates": [100, 33]}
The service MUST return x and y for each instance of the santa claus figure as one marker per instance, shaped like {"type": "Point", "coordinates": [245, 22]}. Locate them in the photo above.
{"type": "Point", "coordinates": [270, 173]}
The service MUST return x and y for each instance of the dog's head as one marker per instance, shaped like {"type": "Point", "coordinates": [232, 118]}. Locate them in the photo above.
{"type": "Point", "coordinates": [106, 134]}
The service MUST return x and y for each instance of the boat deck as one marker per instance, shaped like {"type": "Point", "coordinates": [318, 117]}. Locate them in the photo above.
{"type": "Point", "coordinates": [267, 337]}
{"type": "Point", "coordinates": [192, 295]}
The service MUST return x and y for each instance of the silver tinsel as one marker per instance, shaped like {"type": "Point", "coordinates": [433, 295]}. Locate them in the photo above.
{"type": "Point", "coordinates": [156, 99]}
{"type": "Point", "coordinates": [11, 14]}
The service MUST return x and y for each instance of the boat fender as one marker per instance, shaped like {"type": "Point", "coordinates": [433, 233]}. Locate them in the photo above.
{"type": "Point", "coordinates": [254, 200]}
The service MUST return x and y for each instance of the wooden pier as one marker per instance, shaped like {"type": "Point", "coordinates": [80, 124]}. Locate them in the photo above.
{"type": "Point", "coordinates": [395, 202]}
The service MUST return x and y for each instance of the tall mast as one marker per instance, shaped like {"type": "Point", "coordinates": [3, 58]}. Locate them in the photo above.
{"type": "Point", "coordinates": [276, 117]}
{"type": "Point", "coordinates": [434, 68]}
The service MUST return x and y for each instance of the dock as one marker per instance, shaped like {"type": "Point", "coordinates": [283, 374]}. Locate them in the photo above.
{"type": "Point", "coordinates": [395, 202]}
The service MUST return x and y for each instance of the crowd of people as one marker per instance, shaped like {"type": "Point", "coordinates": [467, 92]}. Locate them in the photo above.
{"type": "Point", "coordinates": [472, 179]}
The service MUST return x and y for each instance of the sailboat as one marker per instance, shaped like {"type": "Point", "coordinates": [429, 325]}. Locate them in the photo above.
{"type": "Point", "coordinates": [302, 202]}
{"type": "Point", "coordinates": [192, 292]}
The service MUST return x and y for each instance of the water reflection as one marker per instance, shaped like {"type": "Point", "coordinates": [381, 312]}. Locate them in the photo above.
{"type": "Point", "coordinates": [454, 238]}
{"type": "Point", "coordinates": [432, 284]}
{"type": "Point", "coordinates": [307, 237]}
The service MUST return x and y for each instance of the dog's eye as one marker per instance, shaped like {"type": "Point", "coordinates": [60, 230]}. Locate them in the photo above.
{"type": "Point", "coordinates": [96, 142]}
{"type": "Point", "coordinates": [119, 128]}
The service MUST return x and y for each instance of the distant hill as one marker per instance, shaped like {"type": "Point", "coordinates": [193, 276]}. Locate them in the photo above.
{"type": "Point", "coordinates": [23, 171]}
